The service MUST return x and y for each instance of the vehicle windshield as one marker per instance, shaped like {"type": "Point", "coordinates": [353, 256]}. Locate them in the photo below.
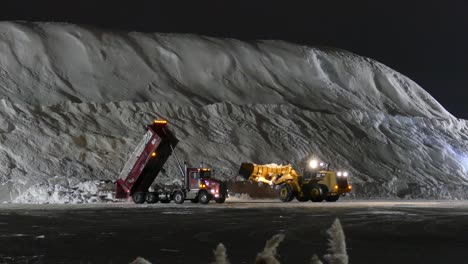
{"type": "Point", "coordinates": [205, 173]}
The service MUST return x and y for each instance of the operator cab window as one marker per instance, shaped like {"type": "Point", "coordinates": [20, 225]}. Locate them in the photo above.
{"type": "Point", "coordinates": [205, 174]}
{"type": "Point", "coordinates": [194, 175]}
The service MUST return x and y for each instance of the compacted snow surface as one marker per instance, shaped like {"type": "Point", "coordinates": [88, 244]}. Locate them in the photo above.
{"type": "Point", "coordinates": [74, 102]}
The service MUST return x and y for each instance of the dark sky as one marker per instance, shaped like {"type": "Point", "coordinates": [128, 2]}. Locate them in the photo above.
{"type": "Point", "coordinates": [425, 40]}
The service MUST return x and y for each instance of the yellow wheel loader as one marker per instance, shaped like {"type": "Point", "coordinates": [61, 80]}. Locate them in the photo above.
{"type": "Point", "coordinates": [317, 183]}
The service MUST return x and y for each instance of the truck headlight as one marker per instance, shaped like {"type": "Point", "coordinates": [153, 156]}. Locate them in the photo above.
{"type": "Point", "coordinates": [345, 174]}
{"type": "Point", "coordinates": [339, 173]}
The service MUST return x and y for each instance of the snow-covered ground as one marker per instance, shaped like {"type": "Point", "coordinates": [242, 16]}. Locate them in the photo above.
{"type": "Point", "coordinates": [74, 101]}
{"type": "Point", "coordinates": [422, 231]}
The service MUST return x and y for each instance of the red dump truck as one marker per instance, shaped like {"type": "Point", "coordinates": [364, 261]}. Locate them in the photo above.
{"type": "Point", "coordinates": [148, 159]}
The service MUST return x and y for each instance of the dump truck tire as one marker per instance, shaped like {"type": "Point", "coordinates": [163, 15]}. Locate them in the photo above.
{"type": "Point", "coordinates": [178, 197]}
{"type": "Point", "coordinates": [204, 197]}
{"type": "Point", "coordinates": [151, 197]}
{"type": "Point", "coordinates": [286, 193]}
{"type": "Point", "coordinates": [138, 197]}
{"type": "Point", "coordinates": [332, 198]}
{"type": "Point", "coordinates": [316, 194]}
{"type": "Point", "coordinates": [220, 200]}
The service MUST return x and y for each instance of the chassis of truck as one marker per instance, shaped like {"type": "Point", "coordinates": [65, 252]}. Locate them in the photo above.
{"type": "Point", "coordinates": [317, 183]}
{"type": "Point", "coordinates": [148, 159]}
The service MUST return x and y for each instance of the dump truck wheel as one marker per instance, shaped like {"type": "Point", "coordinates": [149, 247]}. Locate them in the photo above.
{"type": "Point", "coordinates": [138, 197]}
{"type": "Point", "coordinates": [178, 197]}
{"type": "Point", "coordinates": [220, 200]}
{"type": "Point", "coordinates": [332, 198]}
{"type": "Point", "coordinates": [194, 200]}
{"type": "Point", "coordinates": [204, 197]}
{"type": "Point", "coordinates": [316, 194]}
{"type": "Point", "coordinates": [286, 193]}
{"type": "Point", "coordinates": [151, 197]}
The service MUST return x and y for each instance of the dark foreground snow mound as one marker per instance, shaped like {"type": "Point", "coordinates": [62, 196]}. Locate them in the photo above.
{"type": "Point", "coordinates": [75, 101]}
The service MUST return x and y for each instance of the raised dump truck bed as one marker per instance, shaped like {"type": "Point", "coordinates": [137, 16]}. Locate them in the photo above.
{"type": "Point", "coordinates": [146, 161]}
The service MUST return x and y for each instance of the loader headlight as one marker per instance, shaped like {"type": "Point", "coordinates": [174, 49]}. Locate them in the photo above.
{"type": "Point", "coordinates": [339, 174]}
{"type": "Point", "coordinates": [313, 164]}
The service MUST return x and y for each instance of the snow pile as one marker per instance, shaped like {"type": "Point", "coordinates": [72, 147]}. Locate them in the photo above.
{"type": "Point", "coordinates": [73, 102]}
{"type": "Point", "coordinates": [83, 192]}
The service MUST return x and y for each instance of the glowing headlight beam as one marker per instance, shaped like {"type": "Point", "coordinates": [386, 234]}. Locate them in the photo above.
{"type": "Point", "coordinates": [313, 164]}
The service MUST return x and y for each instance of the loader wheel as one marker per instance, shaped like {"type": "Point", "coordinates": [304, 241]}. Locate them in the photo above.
{"type": "Point", "coordinates": [286, 193]}
{"type": "Point", "coordinates": [138, 197]}
{"type": "Point", "coordinates": [151, 197]}
{"type": "Point", "coordinates": [332, 198]}
{"type": "Point", "coordinates": [204, 197]}
{"type": "Point", "coordinates": [220, 200]}
{"type": "Point", "coordinates": [178, 197]}
{"type": "Point", "coordinates": [316, 194]}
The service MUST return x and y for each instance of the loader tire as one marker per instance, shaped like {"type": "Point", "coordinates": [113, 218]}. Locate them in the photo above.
{"type": "Point", "coordinates": [204, 197]}
{"type": "Point", "coordinates": [316, 194]}
{"type": "Point", "coordinates": [286, 193]}
{"type": "Point", "coordinates": [178, 197]}
{"type": "Point", "coordinates": [151, 197]}
{"type": "Point", "coordinates": [138, 197]}
{"type": "Point", "coordinates": [332, 198]}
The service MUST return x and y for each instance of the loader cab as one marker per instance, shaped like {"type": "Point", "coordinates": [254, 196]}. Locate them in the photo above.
{"type": "Point", "coordinates": [315, 169]}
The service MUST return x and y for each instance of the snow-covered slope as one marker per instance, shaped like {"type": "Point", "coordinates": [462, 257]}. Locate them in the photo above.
{"type": "Point", "coordinates": [74, 102]}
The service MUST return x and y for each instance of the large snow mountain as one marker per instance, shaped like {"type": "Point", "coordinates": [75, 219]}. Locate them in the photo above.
{"type": "Point", "coordinates": [74, 101]}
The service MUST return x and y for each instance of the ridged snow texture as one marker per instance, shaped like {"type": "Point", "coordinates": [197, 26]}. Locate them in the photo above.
{"type": "Point", "coordinates": [74, 102]}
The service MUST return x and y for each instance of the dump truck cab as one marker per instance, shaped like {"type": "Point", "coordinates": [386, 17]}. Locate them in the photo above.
{"type": "Point", "coordinates": [201, 187]}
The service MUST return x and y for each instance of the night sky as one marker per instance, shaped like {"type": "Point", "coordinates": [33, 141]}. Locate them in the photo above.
{"type": "Point", "coordinates": [425, 40]}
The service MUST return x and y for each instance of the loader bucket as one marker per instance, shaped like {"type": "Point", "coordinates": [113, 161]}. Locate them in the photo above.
{"type": "Point", "coordinates": [246, 169]}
